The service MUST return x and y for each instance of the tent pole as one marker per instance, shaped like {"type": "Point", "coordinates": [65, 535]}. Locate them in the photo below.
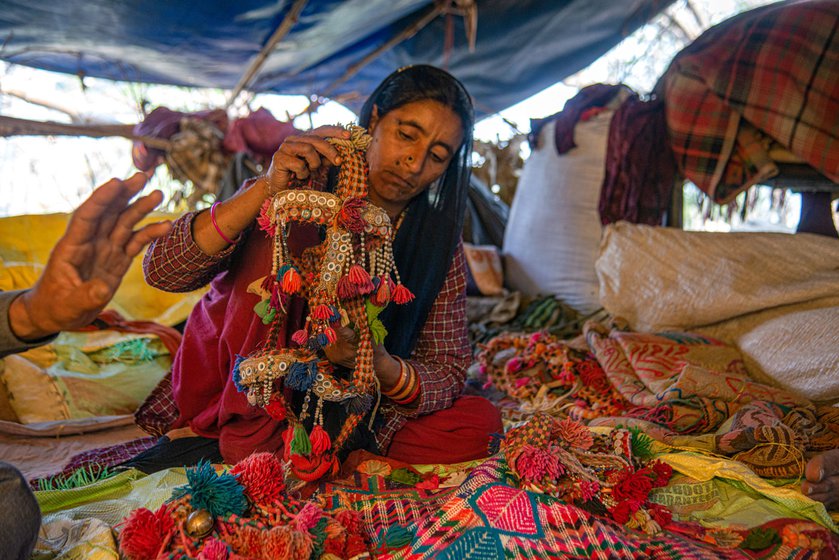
{"type": "Point", "coordinates": [281, 31]}
{"type": "Point", "coordinates": [11, 126]}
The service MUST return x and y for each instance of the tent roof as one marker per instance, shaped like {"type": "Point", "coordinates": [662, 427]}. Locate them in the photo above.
{"type": "Point", "coordinates": [522, 46]}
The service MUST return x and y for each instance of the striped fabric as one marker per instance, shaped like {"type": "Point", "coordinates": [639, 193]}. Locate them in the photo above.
{"type": "Point", "coordinates": [768, 74]}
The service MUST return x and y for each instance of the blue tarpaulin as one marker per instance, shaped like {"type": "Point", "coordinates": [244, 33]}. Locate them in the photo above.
{"type": "Point", "coordinates": [522, 46]}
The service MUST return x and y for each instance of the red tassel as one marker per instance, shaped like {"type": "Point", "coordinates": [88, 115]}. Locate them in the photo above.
{"type": "Point", "coordinates": [361, 278]}
{"type": "Point", "coordinates": [382, 295]}
{"type": "Point", "coordinates": [322, 312]}
{"type": "Point", "coordinates": [402, 295]}
{"type": "Point", "coordinates": [346, 289]}
{"type": "Point", "coordinates": [261, 474]}
{"type": "Point", "coordinates": [276, 410]}
{"type": "Point", "coordinates": [331, 335]}
{"type": "Point", "coordinates": [292, 282]}
{"type": "Point", "coordinates": [300, 337]}
{"type": "Point", "coordinates": [321, 442]}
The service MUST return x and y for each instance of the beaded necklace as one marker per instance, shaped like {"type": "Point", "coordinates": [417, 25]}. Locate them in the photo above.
{"type": "Point", "coordinates": [347, 280]}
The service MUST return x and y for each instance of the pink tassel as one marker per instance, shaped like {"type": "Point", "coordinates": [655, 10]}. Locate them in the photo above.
{"type": "Point", "coordinates": [267, 283]}
{"type": "Point", "coordinates": [346, 289]}
{"type": "Point", "coordinates": [274, 301]}
{"type": "Point", "coordinates": [292, 282]}
{"type": "Point", "coordinates": [402, 295]}
{"type": "Point", "coordinates": [361, 278]}
{"type": "Point", "coordinates": [322, 312]}
{"type": "Point", "coordinates": [300, 337]}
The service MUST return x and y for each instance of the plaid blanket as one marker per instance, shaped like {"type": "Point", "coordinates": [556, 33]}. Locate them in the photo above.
{"type": "Point", "coordinates": [768, 74]}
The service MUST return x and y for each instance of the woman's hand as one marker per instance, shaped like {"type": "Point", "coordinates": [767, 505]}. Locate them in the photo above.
{"type": "Point", "coordinates": [301, 155]}
{"type": "Point", "coordinates": [342, 352]}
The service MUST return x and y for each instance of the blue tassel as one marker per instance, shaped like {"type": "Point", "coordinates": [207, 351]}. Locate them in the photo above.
{"type": "Point", "coordinates": [301, 375]}
{"type": "Point", "coordinates": [237, 375]}
{"type": "Point", "coordinates": [322, 339]}
{"type": "Point", "coordinates": [281, 272]}
{"type": "Point", "coordinates": [221, 495]}
{"type": "Point", "coordinates": [336, 314]}
{"type": "Point", "coordinates": [359, 405]}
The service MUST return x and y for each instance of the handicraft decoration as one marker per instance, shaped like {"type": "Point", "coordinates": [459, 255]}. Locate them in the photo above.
{"type": "Point", "coordinates": [347, 280]}
{"type": "Point", "coordinates": [608, 474]}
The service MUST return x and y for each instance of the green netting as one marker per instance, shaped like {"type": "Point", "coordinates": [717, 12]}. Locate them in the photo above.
{"type": "Point", "coordinates": [112, 499]}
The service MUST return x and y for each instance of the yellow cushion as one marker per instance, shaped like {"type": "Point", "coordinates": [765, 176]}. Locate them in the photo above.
{"type": "Point", "coordinates": [25, 248]}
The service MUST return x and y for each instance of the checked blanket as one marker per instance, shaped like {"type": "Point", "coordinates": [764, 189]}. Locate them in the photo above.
{"type": "Point", "coordinates": [767, 74]}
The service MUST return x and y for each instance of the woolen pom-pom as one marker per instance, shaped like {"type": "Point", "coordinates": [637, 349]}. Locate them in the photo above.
{"type": "Point", "coordinates": [218, 494]}
{"type": "Point", "coordinates": [214, 549]}
{"type": "Point", "coordinates": [308, 517]}
{"type": "Point", "coordinates": [144, 532]}
{"type": "Point", "coordinates": [574, 434]}
{"type": "Point", "coordinates": [261, 474]}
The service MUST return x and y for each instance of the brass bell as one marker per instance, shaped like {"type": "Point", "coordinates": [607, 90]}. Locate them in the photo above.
{"type": "Point", "coordinates": [199, 524]}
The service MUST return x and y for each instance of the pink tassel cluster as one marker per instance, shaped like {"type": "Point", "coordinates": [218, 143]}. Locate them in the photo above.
{"type": "Point", "coordinates": [361, 279]}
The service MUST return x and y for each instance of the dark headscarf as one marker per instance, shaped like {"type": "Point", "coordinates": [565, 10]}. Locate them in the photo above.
{"type": "Point", "coordinates": [433, 223]}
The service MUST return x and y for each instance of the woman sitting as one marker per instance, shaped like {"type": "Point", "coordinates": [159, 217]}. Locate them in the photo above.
{"type": "Point", "coordinates": [420, 119]}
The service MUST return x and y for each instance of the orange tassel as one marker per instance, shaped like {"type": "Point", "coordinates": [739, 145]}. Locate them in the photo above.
{"type": "Point", "coordinates": [292, 281]}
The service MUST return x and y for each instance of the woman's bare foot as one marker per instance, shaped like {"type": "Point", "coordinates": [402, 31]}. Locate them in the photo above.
{"type": "Point", "coordinates": [822, 478]}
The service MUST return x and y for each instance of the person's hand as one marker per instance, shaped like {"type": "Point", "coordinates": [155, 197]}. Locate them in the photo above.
{"type": "Point", "coordinates": [342, 352]}
{"type": "Point", "coordinates": [301, 155]}
{"type": "Point", "coordinates": [822, 479]}
{"type": "Point", "coordinates": [87, 264]}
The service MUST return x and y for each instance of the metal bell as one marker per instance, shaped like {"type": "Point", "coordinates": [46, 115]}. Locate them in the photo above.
{"type": "Point", "coordinates": [199, 523]}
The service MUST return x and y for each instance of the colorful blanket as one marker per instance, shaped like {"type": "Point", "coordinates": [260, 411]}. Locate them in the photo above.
{"type": "Point", "coordinates": [767, 74]}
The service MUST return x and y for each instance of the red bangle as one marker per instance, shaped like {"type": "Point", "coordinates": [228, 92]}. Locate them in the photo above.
{"type": "Point", "coordinates": [215, 225]}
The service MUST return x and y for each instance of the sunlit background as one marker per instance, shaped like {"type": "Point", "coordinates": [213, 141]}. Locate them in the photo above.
{"type": "Point", "coordinates": [54, 174]}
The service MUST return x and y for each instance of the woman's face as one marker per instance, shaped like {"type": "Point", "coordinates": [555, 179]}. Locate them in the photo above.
{"type": "Point", "coordinates": [411, 148]}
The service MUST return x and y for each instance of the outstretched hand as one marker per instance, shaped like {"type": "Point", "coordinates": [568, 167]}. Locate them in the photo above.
{"type": "Point", "coordinates": [88, 263]}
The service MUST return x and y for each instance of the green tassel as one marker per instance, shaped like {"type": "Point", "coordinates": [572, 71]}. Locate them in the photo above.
{"type": "Point", "coordinates": [398, 536]}
{"type": "Point", "coordinates": [641, 443]}
{"type": "Point", "coordinates": [300, 444]}
{"type": "Point", "coordinates": [378, 331]}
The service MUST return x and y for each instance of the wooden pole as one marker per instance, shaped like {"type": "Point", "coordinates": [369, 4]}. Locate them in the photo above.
{"type": "Point", "coordinates": [288, 22]}
{"type": "Point", "coordinates": [11, 126]}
